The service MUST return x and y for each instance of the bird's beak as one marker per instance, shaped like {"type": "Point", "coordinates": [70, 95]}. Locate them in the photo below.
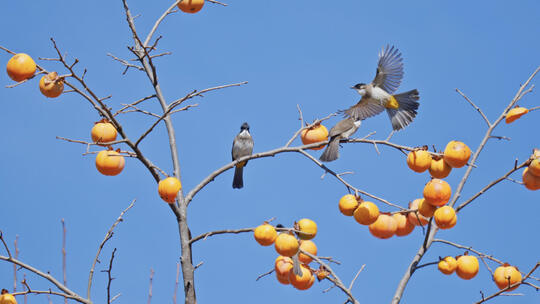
{"type": "Point", "coordinates": [353, 88]}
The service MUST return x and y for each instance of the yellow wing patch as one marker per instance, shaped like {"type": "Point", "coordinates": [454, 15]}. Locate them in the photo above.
{"type": "Point", "coordinates": [392, 103]}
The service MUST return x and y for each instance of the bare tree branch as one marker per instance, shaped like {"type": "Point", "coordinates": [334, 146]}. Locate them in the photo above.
{"type": "Point", "coordinates": [108, 236]}
{"type": "Point", "coordinates": [48, 277]}
{"type": "Point", "coordinates": [475, 107]}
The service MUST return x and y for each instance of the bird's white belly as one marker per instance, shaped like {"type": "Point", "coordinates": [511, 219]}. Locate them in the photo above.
{"type": "Point", "coordinates": [380, 95]}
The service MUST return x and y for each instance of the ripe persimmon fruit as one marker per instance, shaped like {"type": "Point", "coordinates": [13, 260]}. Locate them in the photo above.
{"type": "Point", "coordinates": [168, 189]}
{"type": "Point", "coordinates": [317, 133]}
{"type": "Point", "coordinates": [404, 226]}
{"type": "Point", "coordinates": [265, 234]}
{"type": "Point", "coordinates": [307, 228]}
{"type": "Point", "coordinates": [447, 265]}
{"type": "Point", "coordinates": [110, 162]}
{"type": "Point", "coordinates": [283, 265]}
{"type": "Point", "coordinates": [445, 217]}
{"type": "Point", "coordinates": [416, 218]}
{"type": "Point", "coordinates": [190, 6]}
{"type": "Point", "coordinates": [384, 227]}
{"type": "Point", "coordinates": [307, 246]}
{"type": "Point", "coordinates": [51, 85]}
{"type": "Point", "coordinates": [426, 209]}
{"type": "Point", "coordinates": [439, 168]}
{"type": "Point", "coordinates": [437, 192]}
{"type": "Point", "coordinates": [530, 181]}
{"type": "Point", "coordinates": [301, 282]}
{"type": "Point", "coordinates": [515, 113]}
{"type": "Point", "coordinates": [467, 266]}
{"type": "Point", "coordinates": [366, 213]}
{"type": "Point", "coordinates": [419, 160]}
{"type": "Point", "coordinates": [103, 132]}
{"type": "Point", "coordinates": [534, 167]}
{"type": "Point", "coordinates": [20, 67]}
{"type": "Point", "coordinates": [286, 244]}
{"type": "Point", "coordinates": [506, 275]}
{"type": "Point", "coordinates": [456, 154]}
{"type": "Point", "coordinates": [347, 204]}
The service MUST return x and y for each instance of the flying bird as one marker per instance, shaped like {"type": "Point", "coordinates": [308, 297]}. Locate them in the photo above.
{"type": "Point", "coordinates": [342, 129]}
{"type": "Point", "coordinates": [379, 94]}
{"type": "Point", "coordinates": [242, 146]}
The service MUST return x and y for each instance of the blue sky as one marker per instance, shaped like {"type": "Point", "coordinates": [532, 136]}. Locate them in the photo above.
{"type": "Point", "coordinates": [297, 52]}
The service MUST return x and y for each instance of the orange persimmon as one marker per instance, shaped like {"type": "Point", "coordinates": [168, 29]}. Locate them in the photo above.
{"type": "Point", "coordinates": [307, 228]}
{"type": "Point", "coordinates": [314, 134]}
{"type": "Point", "coordinates": [404, 226]}
{"type": "Point", "coordinates": [51, 85]}
{"type": "Point", "coordinates": [103, 132]}
{"type": "Point", "coordinates": [347, 204]}
{"type": "Point", "coordinates": [437, 192]}
{"type": "Point", "coordinates": [419, 160]}
{"type": "Point", "coordinates": [190, 6]}
{"type": "Point", "coordinates": [168, 189]}
{"type": "Point", "coordinates": [265, 234]}
{"type": "Point", "coordinates": [366, 213]}
{"type": "Point", "coordinates": [286, 244]}
{"type": "Point", "coordinates": [384, 227]}
{"type": "Point", "coordinates": [20, 67]}
{"type": "Point", "coordinates": [506, 275]}
{"type": "Point", "coordinates": [515, 113]}
{"type": "Point", "coordinates": [447, 265]}
{"type": "Point", "coordinates": [467, 266]}
{"type": "Point", "coordinates": [308, 246]}
{"type": "Point", "coordinates": [110, 162]}
{"type": "Point", "coordinates": [456, 154]}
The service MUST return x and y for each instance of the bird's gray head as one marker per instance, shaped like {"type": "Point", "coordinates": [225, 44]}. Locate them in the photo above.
{"type": "Point", "coordinates": [360, 88]}
{"type": "Point", "coordinates": [244, 126]}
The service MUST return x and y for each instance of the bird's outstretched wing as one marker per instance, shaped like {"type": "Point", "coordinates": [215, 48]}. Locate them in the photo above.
{"type": "Point", "coordinates": [389, 70]}
{"type": "Point", "coordinates": [363, 109]}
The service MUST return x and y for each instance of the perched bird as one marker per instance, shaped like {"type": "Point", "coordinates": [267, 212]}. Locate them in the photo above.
{"type": "Point", "coordinates": [342, 129]}
{"type": "Point", "coordinates": [378, 95]}
{"type": "Point", "coordinates": [242, 146]}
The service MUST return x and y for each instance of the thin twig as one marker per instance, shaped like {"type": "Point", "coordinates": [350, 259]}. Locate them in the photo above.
{"type": "Point", "coordinates": [108, 235]}
{"type": "Point", "coordinates": [336, 280]}
{"type": "Point", "coordinates": [490, 185]}
{"type": "Point", "coordinates": [469, 248]}
{"type": "Point", "coordinates": [134, 103]}
{"type": "Point", "coordinates": [176, 282]}
{"type": "Point", "coordinates": [207, 234]}
{"type": "Point", "coordinates": [109, 277]}
{"type": "Point", "coordinates": [15, 243]}
{"type": "Point", "coordinates": [179, 101]}
{"type": "Point", "coordinates": [475, 107]}
{"type": "Point", "coordinates": [48, 277]}
{"type": "Point", "coordinates": [264, 274]}
{"type": "Point", "coordinates": [356, 276]}
{"type": "Point", "coordinates": [217, 2]}
{"type": "Point", "coordinates": [64, 254]}
{"type": "Point", "coordinates": [150, 288]}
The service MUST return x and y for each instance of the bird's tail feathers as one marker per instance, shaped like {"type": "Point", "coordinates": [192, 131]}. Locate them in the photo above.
{"type": "Point", "coordinates": [238, 181]}
{"type": "Point", "coordinates": [406, 112]}
{"type": "Point", "coordinates": [331, 152]}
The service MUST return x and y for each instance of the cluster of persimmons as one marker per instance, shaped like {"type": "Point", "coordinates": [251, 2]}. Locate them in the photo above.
{"type": "Point", "coordinates": [291, 245]}
{"type": "Point", "coordinates": [436, 195]}
{"type": "Point", "coordinates": [22, 67]}
{"type": "Point", "coordinates": [466, 267]}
